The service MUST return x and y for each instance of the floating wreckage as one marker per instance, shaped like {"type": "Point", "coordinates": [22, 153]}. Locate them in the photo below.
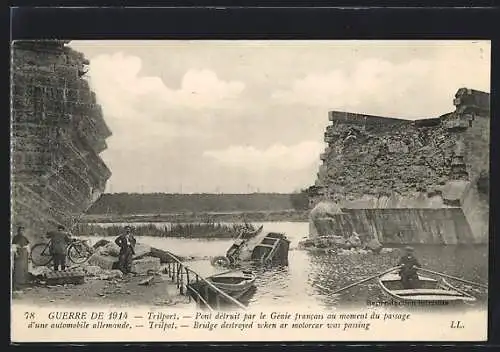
{"type": "Point", "coordinates": [341, 244]}
{"type": "Point", "coordinates": [330, 231]}
{"type": "Point", "coordinates": [256, 247]}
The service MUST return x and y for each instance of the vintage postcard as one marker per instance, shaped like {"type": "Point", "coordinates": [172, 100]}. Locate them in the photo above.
{"type": "Point", "coordinates": [209, 190]}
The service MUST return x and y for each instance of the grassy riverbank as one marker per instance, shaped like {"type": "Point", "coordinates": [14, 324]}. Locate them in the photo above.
{"type": "Point", "coordinates": [237, 216]}
{"type": "Point", "coordinates": [188, 230]}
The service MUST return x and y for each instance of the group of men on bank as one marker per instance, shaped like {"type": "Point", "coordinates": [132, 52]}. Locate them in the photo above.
{"type": "Point", "coordinates": [60, 239]}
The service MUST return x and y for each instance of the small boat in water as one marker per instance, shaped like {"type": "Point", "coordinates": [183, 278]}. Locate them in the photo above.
{"type": "Point", "coordinates": [429, 290]}
{"type": "Point", "coordinates": [234, 283]}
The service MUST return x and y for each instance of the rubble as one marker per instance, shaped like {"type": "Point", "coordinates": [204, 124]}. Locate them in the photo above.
{"type": "Point", "coordinates": [110, 275]}
{"type": "Point", "coordinates": [374, 245]}
{"type": "Point", "coordinates": [39, 272]}
{"type": "Point", "coordinates": [146, 259]}
{"type": "Point", "coordinates": [70, 276]}
{"type": "Point", "coordinates": [145, 265]}
{"type": "Point", "coordinates": [165, 256]}
{"type": "Point", "coordinates": [104, 261]}
{"type": "Point", "coordinates": [147, 281]}
{"type": "Point", "coordinates": [352, 251]}
{"type": "Point", "coordinates": [103, 265]}
{"type": "Point", "coordinates": [142, 250]}
{"type": "Point", "coordinates": [47, 276]}
{"type": "Point", "coordinates": [342, 245]}
{"type": "Point", "coordinates": [100, 243]}
{"type": "Point", "coordinates": [109, 249]}
{"type": "Point", "coordinates": [93, 270]}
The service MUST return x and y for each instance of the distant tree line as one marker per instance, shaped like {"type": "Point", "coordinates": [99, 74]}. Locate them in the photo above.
{"type": "Point", "coordinates": [165, 203]}
{"type": "Point", "coordinates": [300, 200]}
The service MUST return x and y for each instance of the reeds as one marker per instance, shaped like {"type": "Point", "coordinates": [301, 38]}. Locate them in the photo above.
{"type": "Point", "coordinates": [181, 230]}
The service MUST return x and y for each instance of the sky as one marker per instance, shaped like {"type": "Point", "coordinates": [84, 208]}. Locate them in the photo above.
{"type": "Point", "coordinates": [249, 116]}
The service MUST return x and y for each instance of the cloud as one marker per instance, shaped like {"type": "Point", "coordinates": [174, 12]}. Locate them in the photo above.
{"type": "Point", "coordinates": [377, 86]}
{"type": "Point", "coordinates": [277, 156]}
{"type": "Point", "coordinates": [117, 78]}
{"type": "Point", "coordinates": [143, 112]}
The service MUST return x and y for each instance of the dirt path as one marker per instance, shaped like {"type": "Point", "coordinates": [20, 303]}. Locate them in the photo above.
{"type": "Point", "coordinates": [124, 292]}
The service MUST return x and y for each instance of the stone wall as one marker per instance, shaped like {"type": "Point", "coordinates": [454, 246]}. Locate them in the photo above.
{"type": "Point", "coordinates": [58, 131]}
{"type": "Point", "coordinates": [406, 168]}
{"type": "Point", "coordinates": [398, 226]}
{"type": "Point", "coordinates": [403, 159]}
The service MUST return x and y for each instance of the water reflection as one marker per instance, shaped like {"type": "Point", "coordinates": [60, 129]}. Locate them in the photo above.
{"type": "Point", "coordinates": [246, 298]}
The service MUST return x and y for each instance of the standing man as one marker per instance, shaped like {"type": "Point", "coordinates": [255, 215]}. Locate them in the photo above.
{"type": "Point", "coordinates": [20, 249]}
{"type": "Point", "coordinates": [59, 241]}
{"type": "Point", "coordinates": [126, 242]}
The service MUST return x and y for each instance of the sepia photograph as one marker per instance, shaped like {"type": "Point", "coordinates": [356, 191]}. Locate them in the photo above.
{"type": "Point", "coordinates": [322, 185]}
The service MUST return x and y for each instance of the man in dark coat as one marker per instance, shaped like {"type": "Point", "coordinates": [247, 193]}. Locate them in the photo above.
{"type": "Point", "coordinates": [59, 241]}
{"type": "Point", "coordinates": [20, 265]}
{"type": "Point", "coordinates": [408, 271]}
{"type": "Point", "coordinates": [126, 242]}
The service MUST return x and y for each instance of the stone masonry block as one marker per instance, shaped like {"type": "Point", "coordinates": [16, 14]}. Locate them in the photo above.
{"type": "Point", "coordinates": [142, 266]}
{"type": "Point", "coordinates": [72, 276]}
{"type": "Point", "coordinates": [102, 261]}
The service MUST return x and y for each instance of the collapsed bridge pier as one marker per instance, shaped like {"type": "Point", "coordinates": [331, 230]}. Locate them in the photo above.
{"type": "Point", "coordinates": [400, 181]}
{"type": "Point", "coordinates": [57, 134]}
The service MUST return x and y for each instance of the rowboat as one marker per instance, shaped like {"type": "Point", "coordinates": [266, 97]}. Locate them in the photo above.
{"type": "Point", "coordinates": [234, 283]}
{"type": "Point", "coordinates": [429, 290]}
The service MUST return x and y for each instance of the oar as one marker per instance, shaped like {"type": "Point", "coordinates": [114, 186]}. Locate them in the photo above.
{"type": "Point", "coordinates": [453, 277]}
{"type": "Point", "coordinates": [365, 280]}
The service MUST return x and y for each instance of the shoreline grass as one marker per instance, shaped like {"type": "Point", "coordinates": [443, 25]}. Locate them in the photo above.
{"type": "Point", "coordinates": [172, 230]}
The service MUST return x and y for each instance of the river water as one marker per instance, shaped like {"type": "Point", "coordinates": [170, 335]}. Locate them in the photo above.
{"type": "Point", "coordinates": [311, 276]}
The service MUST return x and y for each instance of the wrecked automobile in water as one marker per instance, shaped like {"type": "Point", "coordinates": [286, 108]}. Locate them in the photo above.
{"type": "Point", "coordinates": [257, 247]}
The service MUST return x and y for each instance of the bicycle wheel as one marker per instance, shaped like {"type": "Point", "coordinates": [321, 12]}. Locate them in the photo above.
{"type": "Point", "coordinates": [40, 255]}
{"type": "Point", "coordinates": [220, 261]}
{"type": "Point", "coordinates": [78, 253]}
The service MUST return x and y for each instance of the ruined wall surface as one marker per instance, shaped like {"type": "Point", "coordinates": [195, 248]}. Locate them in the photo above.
{"type": "Point", "coordinates": [57, 133]}
{"type": "Point", "coordinates": [379, 160]}
{"type": "Point", "coordinates": [398, 226]}
{"type": "Point", "coordinates": [402, 168]}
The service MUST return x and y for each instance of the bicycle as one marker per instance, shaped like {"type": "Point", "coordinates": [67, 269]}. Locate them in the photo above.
{"type": "Point", "coordinates": [78, 252]}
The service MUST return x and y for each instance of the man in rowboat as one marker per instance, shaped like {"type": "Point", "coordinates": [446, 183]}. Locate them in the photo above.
{"type": "Point", "coordinates": [408, 271]}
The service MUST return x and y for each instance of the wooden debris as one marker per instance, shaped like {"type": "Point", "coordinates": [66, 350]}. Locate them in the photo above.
{"type": "Point", "coordinates": [147, 281]}
{"type": "Point", "coordinates": [65, 277]}
{"type": "Point", "coordinates": [165, 256]}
